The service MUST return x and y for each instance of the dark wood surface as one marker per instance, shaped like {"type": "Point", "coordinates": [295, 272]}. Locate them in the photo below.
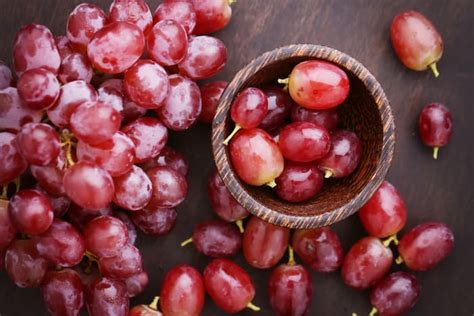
{"type": "Point", "coordinates": [433, 190]}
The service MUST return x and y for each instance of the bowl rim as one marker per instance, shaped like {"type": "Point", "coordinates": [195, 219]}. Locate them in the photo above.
{"type": "Point", "coordinates": [229, 177]}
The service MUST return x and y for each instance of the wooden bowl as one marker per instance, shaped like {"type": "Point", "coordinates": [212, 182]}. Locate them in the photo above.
{"type": "Point", "coordinates": [366, 112]}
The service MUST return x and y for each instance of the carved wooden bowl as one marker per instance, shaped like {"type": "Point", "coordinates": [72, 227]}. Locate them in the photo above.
{"type": "Point", "coordinates": [366, 112]}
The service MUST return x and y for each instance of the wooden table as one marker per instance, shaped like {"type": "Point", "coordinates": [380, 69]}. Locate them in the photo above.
{"type": "Point", "coordinates": [433, 190]}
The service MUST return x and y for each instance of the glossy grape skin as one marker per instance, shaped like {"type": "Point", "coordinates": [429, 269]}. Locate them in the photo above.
{"type": "Point", "coordinates": [125, 264]}
{"type": "Point", "coordinates": [206, 56]}
{"type": "Point", "coordinates": [290, 290]}
{"type": "Point", "coordinates": [179, 11]}
{"type": "Point", "coordinates": [79, 216]}
{"type": "Point", "coordinates": [34, 47]}
{"type": "Point", "coordinates": [329, 119]}
{"type": "Point", "coordinates": [217, 239]}
{"type": "Point", "coordinates": [133, 190]}
{"type": "Point", "coordinates": [385, 212]}
{"type": "Point", "coordinates": [7, 230]}
{"type": "Point", "coordinates": [222, 202]}
{"type": "Point", "coordinates": [155, 221]}
{"type": "Point", "coordinates": [320, 248]}
{"type": "Point", "coordinates": [366, 263]}
{"type": "Point", "coordinates": [256, 157]}
{"type": "Point", "coordinates": [50, 177]}
{"type": "Point", "coordinates": [182, 292]}
{"type": "Point", "coordinates": [136, 284]}
{"type": "Point", "coordinates": [168, 157]}
{"type": "Point", "coordinates": [344, 155]}
{"type": "Point", "coordinates": [149, 136]}
{"type": "Point", "coordinates": [31, 212]}
{"type": "Point", "coordinates": [299, 182]}
{"type": "Point", "coordinates": [6, 78]}
{"type": "Point", "coordinates": [83, 22]}
{"type": "Point", "coordinates": [63, 292]}
{"type": "Point", "coordinates": [13, 164]}
{"type": "Point", "coordinates": [64, 46]}
{"type": "Point", "coordinates": [107, 297]}
{"type": "Point", "coordinates": [170, 188]}
{"type": "Point", "coordinates": [249, 108]}
{"type": "Point", "coordinates": [133, 11]}
{"type": "Point", "coordinates": [279, 108]}
{"type": "Point", "coordinates": [396, 294]}
{"type": "Point", "coordinates": [435, 125]}
{"type": "Point", "coordinates": [264, 244]}
{"type": "Point", "coordinates": [211, 93]}
{"type": "Point", "coordinates": [229, 286]}
{"type": "Point", "coordinates": [38, 143]}
{"type": "Point", "coordinates": [426, 245]}
{"type": "Point", "coordinates": [84, 181]}
{"type": "Point", "coordinates": [116, 47]}
{"type": "Point", "coordinates": [167, 43]}
{"type": "Point", "coordinates": [14, 112]}
{"type": "Point", "coordinates": [75, 67]}
{"type": "Point", "coordinates": [38, 88]}
{"type": "Point", "coordinates": [416, 41]}
{"type": "Point", "coordinates": [105, 236]}
{"type": "Point", "coordinates": [182, 107]}
{"type": "Point", "coordinates": [211, 15]}
{"type": "Point", "coordinates": [25, 267]}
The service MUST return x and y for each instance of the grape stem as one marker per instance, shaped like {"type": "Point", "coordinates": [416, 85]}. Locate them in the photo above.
{"type": "Point", "coordinates": [285, 82]}
{"type": "Point", "coordinates": [91, 258]}
{"type": "Point", "coordinates": [373, 312]}
{"type": "Point", "coordinates": [272, 184]}
{"type": "Point", "coordinates": [399, 260]}
{"type": "Point", "coordinates": [231, 2]}
{"type": "Point", "coordinates": [435, 152]}
{"type": "Point", "coordinates": [389, 240]}
{"type": "Point", "coordinates": [187, 242]}
{"type": "Point", "coordinates": [240, 225]}
{"type": "Point", "coordinates": [236, 129]}
{"type": "Point", "coordinates": [17, 182]}
{"type": "Point", "coordinates": [328, 174]}
{"type": "Point", "coordinates": [253, 307]}
{"type": "Point", "coordinates": [291, 256]}
{"type": "Point", "coordinates": [4, 195]}
{"type": "Point", "coordinates": [154, 304]}
{"type": "Point", "coordinates": [434, 69]}
{"type": "Point", "coordinates": [67, 141]}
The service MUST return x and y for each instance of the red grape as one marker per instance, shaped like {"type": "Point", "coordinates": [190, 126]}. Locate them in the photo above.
{"type": "Point", "coordinates": [83, 22]}
{"type": "Point", "coordinates": [179, 11]}
{"type": "Point", "coordinates": [127, 263]}
{"type": "Point", "coordinates": [13, 164]}
{"type": "Point", "coordinates": [256, 157]}
{"type": "Point", "coordinates": [106, 297]}
{"type": "Point", "coordinates": [143, 310]}
{"type": "Point", "coordinates": [169, 187]}
{"type": "Point", "coordinates": [435, 125]}
{"type": "Point", "coordinates": [105, 236]}
{"type": "Point", "coordinates": [396, 294]}
{"type": "Point", "coordinates": [7, 230]}
{"type": "Point", "coordinates": [416, 41]}
{"type": "Point", "coordinates": [211, 93]}
{"type": "Point", "coordinates": [182, 292]}
{"type": "Point", "coordinates": [14, 112]}
{"type": "Point", "coordinates": [329, 119]}
{"type": "Point", "coordinates": [168, 157]}
{"type": "Point", "coordinates": [6, 78]}
{"type": "Point", "coordinates": [249, 108]}
{"type": "Point", "coordinates": [385, 213]}
{"type": "Point", "coordinates": [31, 212]}
{"type": "Point", "coordinates": [167, 43]}
{"type": "Point", "coordinates": [229, 286]}
{"type": "Point", "coordinates": [279, 107]}
{"type": "Point", "coordinates": [60, 204]}
{"type": "Point", "coordinates": [205, 57]}
{"type": "Point", "coordinates": [264, 244]}
{"type": "Point", "coordinates": [50, 177]}
{"type": "Point", "coordinates": [155, 221]}
{"type": "Point", "coordinates": [79, 216]}
{"type": "Point", "coordinates": [320, 248]}
{"type": "Point", "coordinates": [38, 143]}
{"type": "Point", "coordinates": [75, 67]}
{"type": "Point", "coordinates": [366, 263]}
{"type": "Point", "coordinates": [426, 245]}
{"type": "Point", "coordinates": [211, 15]}
{"type": "Point", "coordinates": [182, 107]}
{"type": "Point", "coordinates": [63, 292]}
{"type": "Point", "coordinates": [132, 231]}
{"type": "Point", "coordinates": [88, 185]}
{"type": "Point", "coordinates": [133, 11]}
{"type": "Point", "coordinates": [116, 47]}
{"type": "Point", "coordinates": [133, 190]}
{"type": "Point", "coordinates": [136, 284]}
{"type": "Point", "coordinates": [34, 47]}
{"type": "Point", "coordinates": [344, 155]}
{"type": "Point", "coordinates": [299, 181]}
{"type": "Point", "coordinates": [23, 264]}
{"type": "Point", "coordinates": [318, 78]}
{"type": "Point", "coordinates": [63, 45]}
{"type": "Point", "coordinates": [113, 97]}
{"type": "Point", "coordinates": [38, 88]}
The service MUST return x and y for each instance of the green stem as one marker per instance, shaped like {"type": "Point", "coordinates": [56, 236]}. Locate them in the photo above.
{"type": "Point", "coordinates": [285, 82]}
{"type": "Point", "coordinates": [236, 129]}
{"type": "Point", "coordinates": [373, 312]}
{"type": "Point", "coordinates": [389, 240]}
{"type": "Point", "coordinates": [17, 182]}
{"type": "Point", "coordinates": [272, 184]}
{"type": "Point", "coordinates": [231, 2]}
{"type": "Point", "coordinates": [253, 307]}
{"type": "Point", "coordinates": [291, 256]}
{"type": "Point", "coordinates": [240, 225]}
{"type": "Point", "coordinates": [399, 260]}
{"type": "Point", "coordinates": [435, 152]}
{"type": "Point", "coordinates": [187, 242]}
{"type": "Point", "coordinates": [434, 69]}
{"type": "Point", "coordinates": [4, 195]}
{"type": "Point", "coordinates": [328, 174]}
{"type": "Point", "coordinates": [154, 304]}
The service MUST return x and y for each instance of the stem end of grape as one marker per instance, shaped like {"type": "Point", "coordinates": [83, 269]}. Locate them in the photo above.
{"type": "Point", "coordinates": [435, 152]}
{"type": "Point", "coordinates": [291, 256]}
{"type": "Point", "coordinates": [236, 129]}
{"type": "Point", "coordinates": [328, 174]}
{"type": "Point", "coordinates": [373, 311]}
{"type": "Point", "coordinates": [272, 184]}
{"type": "Point", "coordinates": [187, 242]}
{"type": "Point", "coordinates": [399, 260]}
{"type": "Point", "coordinates": [389, 240]}
{"type": "Point", "coordinates": [240, 225]}
{"type": "Point", "coordinates": [434, 69]}
{"type": "Point", "coordinates": [154, 304]}
{"type": "Point", "coordinates": [253, 307]}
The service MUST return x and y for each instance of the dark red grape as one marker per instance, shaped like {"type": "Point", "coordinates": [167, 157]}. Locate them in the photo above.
{"type": "Point", "coordinates": [299, 181]}
{"type": "Point", "coordinates": [155, 221]}
{"type": "Point", "coordinates": [79, 216]}
{"type": "Point", "coordinates": [329, 119]}
{"type": "Point", "coordinates": [127, 263]}
{"type": "Point", "coordinates": [13, 164]}
{"type": "Point", "coordinates": [435, 125]}
{"type": "Point", "coordinates": [38, 88]}
{"type": "Point", "coordinates": [50, 177]}
{"type": "Point", "coordinates": [63, 293]}
{"type": "Point", "coordinates": [133, 11]}
{"type": "Point", "coordinates": [60, 203]}
{"type": "Point", "coordinates": [31, 212]}
{"type": "Point", "coordinates": [38, 143]}
{"type": "Point", "coordinates": [167, 43]}
{"type": "Point", "coordinates": [7, 230]}
{"type": "Point", "coordinates": [105, 236]}
{"type": "Point", "coordinates": [133, 190]}
{"type": "Point", "coordinates": [168, 157]}
{"type": "Point", "coordinates": [15, 113]}
{"type": "Point", "coordinates": [75, 67]}
{"type": "Point", "coordinates": [279, 108]}
{"type": "Point", "coordinates": [132, 231]}
{"type": "Point", "coordinates": [211, 93]}
{"type": "Point", "coordinates": [136, 284]}
{"type": "Point", "coordinates": [63, 45]}
{"type": "Point", "coordinates": [169, 187]}
{"type": "Point", "coordinates": [83, 22]}
{"type": "Point", "coordinates": [211, 15]}
{"type": "Point", "coordinates": [6, 78]}
{"type": "Point", "coordinates": [179, 11]}
{"type": "Point", "coordinates": [106, 297]}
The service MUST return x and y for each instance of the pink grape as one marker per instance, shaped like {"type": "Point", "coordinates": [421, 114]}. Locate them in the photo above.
{"type": "Point", "coordinates": [38, 143]}
{"type": "Point", "coordinates": [249, 108]}
{"type": "Point", "coordinates": [38, 88]}
{"type": "Point", "coordinates": [75, 67]}
{"type": "Point", "coordinates": [13, 164]}
{"type": "Point", "coordinates": [169, 187]}
{"type": "Point", "coordinates": [63, 292]}
{"type": "Point", "coordinates": [179, 11]}
{"type": "Point", "coordinates": [133, 190]}
{"type": "Point", "coordinates": [211, 15]}
{"type": "Point", "coordinates": [31, 212]}
{"type": "Point", "coordinates": [435, 125]}
{"type": "Point", "coordinates": [133, 11]}
{"type": "Point", "coordinates": [107, 297]}
{"type": "Point", "coordinates": [105, 236]}
{"type": "Point", "coordinates": [83, 22]}
{"type": "Point", "coordinates": [167, 43]}
{"type": "Point", "coordinates": [15, 113]}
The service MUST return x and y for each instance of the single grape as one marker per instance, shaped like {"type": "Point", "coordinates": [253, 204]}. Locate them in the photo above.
{"type": "Point", "coordinates": [31, 212]}
{"type": "Point", "coordinates": [133, 11]}
{"type": "Point", "coordinates": [113, 97]}
{"type": "Point", "coordinates": [13, 164]}
{"type": "Point", "coordinates": [426, 245]}
{"type": "Point", "coordinates": [38, 143]}
{"type": "Point", "coordinates": [75, 67]}
{"type": "Point", "coordinates": [182, 292]}
{"type": "Point", "coordinates": [50, 177]}
{"type": "Point", "coordinates": [79, 216]}
{"type": "Point", "coordinates": [64, 46]}
{"type": "Point", "coordinates": [38, 88]}
{"type": "Point", "coordinates": [132, 231]}
{"type": "Point", "coordinates": [169, 187]}
{"type": "Point", "coordinates": [105, 236]}
{"type": "Point", "coordinates": [155, 221]}
{"type": "Point", "coordinates": [167, 43]}
{"type": "Point", "coordinates": [211, 15]}
{"type": "Point", "coordinates": [106, 297]}
{"type": "Point", "coordinates": [416, 41]}
{"type": "Point", "coordinates": [182, 107]}
{"type": "Point", "coordinates": [435, 126]}
{"type": "Point", "coordinates": [63, 292]}
{"type": "Point", "coordinates": [136, 284]}
{"type": "Point", "coordinates": [15, 113]}
{"type": "Point", "coordinates": [366, 263]}
{"type": "Point", "coordinates": [329, 119]}
{"type": "Point", "coordinates": [168, 157]}
{"type": "Point", "coordinates": [83, 22]}
{"type": "Point", "coordinates": [6, 78]}
{"type": "Point", "coordinates": [385, 213]}
{"type": "Point", "coordinates": [133, 190]}
{"type": "Point", "coordinates": [7, 229]}
{"type": "Point", "coordinates": [279, 108]}
{"type": "Point", "coordinates": [344, 155]}
{"type": "Point", "coordinates": [299, 181]}
{"type": "Point", "coordinates": [127, 263]}
{"type": "Point", "coordinates": [179, 11]}
{"type": "Point", "coordinates": [211, 93]}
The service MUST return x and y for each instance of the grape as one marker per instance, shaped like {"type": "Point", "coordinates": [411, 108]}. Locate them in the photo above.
{"type": "Point", "coordinates": [115, 156]}
{"type": "Point", "coordinates": [416, 41]}
{"type": "Point", "coordinates": [116, 47]}
{"type": "Point", "coordinates": [23, 264]}
{"type": "Point", "coordinates": [143, 310]}
{"type": "Point", "coordinates": [179, 11]}
{"type": "Point", "coordinates": [106, 297]}
{"type": "Point", "coordinates": [83, 22]}
{"type": "Point", "coordinates": [63, 293]}
{"type": "Point", "coordinates": [211, 93]}
{"type": "Point", "coordinates": [366, 263]}
{"type": "Point", "coordinates": [31, 212]}
{"type": "Point", "coordinates": [88, 185]}
{"type": "Point", "coordinates": [249, 108]}
{"type": "Point", "coordinates": [133, 190]}
{"type": "Point", "coordinates": [329, 119]}
{"type": "Point", "coordinates": [155, 221]}
{"type": "Point", "coordinates": [6, 78]}
{"type": "Point", "coordinates": [63, 45]}
{"type": "Point", "coordinates": [105, 236]}
{"type": "Point", "coordinates": [136, 284]}
{"type": "Point", "coordinates": [396, 294]}
{"type": "Point", "coordinates": [385, 213]}
{"type": "Point", "coordinates": [133, 11]}
{"type": "Point", "coordinates": [95, 122]}
{"type": "Point", "coordinates": [167, 43]}
{"type": "Point", "coordinates": [169, 187]}
{"type": "Point", "coordinates": [13, 164]}
{"type": "Point", "coordinates": [132, 232]}
{"type": "Point", "coordinates": [229, 286]}
{"type": "Point", "coordinates": [211, 15]}
{"type": "Point", "coordinates": [344, 155]}
{"type": "Point", "coordinates": [75, 67]}
{"type": "Point", "coordinates": [149, 136]}
{"type": "Point", "coordinates": [205, 57]}
{"type": "Point", "coordinates": [60, 204]}
{"type": "Point", "coordinates": [168, 157]}
{"type": "Point", "coordinates": [38, 88]}
{"type": "Point", "coordinates": [72, 95]}
{"type": "Point", "coordinates": [34, 47]}
{"type": "Point", "coordinates": [79, 216]}
{"type": "Point", "coordinates": [299, 181]}
{"type": "Point", "coordinates": [435, 126]}
{"type": "Point", "coordinates": [7, 230]}
{"type": "Point", "coordinates": [320, 248]}
{"type": "Point", "coordinates": [264, 244]}
{"type": "Point", "coordinates": [111, 96]}
{"type": "Point", "coordinates": [125, 264]}
{"type": "Point", "coordinates": [279, 108]}
{"type": "Point", "coordinates": [14, 113]}
{"type": "Point", "coordinates": [426, 245]}
{"type": "Point", "coordinates": [38, 143]}
{"type": "Point", "coordinates": [256, 157]}
{"type": "Point", "coordinates": [182, 107]}
{"type": "Point", "coordinates": [182, 292]}
{"type": "Point", "coordinates": [50, 177]}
